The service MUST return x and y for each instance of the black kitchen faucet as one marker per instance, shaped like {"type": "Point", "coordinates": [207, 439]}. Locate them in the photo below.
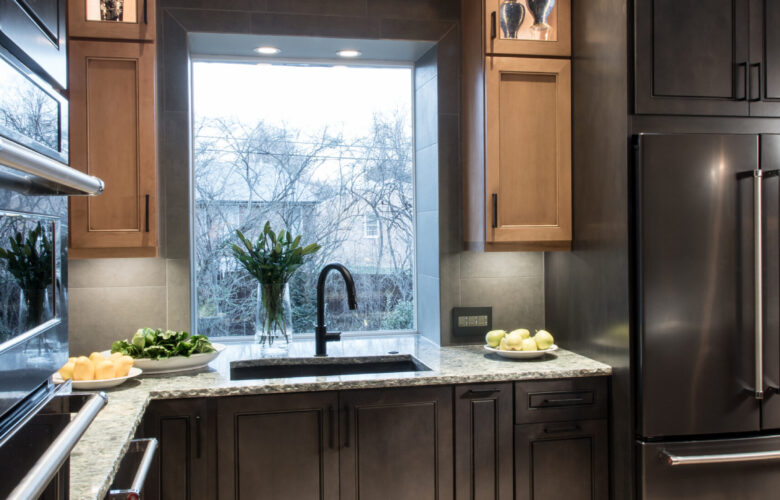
{"type": "Point", "coordinates": [321, 335]}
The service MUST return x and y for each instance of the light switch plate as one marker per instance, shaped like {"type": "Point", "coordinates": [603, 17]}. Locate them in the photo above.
{"type": "Point", "coordinates": [471, 321]}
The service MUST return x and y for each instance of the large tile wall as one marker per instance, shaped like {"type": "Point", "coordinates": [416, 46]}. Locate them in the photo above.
{"type": "Point", "coordinates": [110, 298]}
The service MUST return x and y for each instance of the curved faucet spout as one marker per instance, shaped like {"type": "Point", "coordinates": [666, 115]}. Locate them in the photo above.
{"type": "Point", "coordinates": [321, 334]}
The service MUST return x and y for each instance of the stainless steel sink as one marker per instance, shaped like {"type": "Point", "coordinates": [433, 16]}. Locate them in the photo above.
{"type": "Point", "coordinates": [321, 367]}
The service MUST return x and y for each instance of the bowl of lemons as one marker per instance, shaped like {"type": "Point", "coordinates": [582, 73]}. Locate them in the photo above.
{"type": "Point", "coordinates": [519, 344]}
{"type": "Point", "coordinates": [97, 371]}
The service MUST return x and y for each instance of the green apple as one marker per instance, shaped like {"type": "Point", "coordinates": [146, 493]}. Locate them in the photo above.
{"type": "Point", "coordinates": [530, 345]}
{"type": "Point", "coordinates": [493, 337]}
{"type": "Point", "coordinates": [523, 332]}
{"type": "Point", "coordinates": [514, 341]}
{"type": "Point", "coordinates": [544, 339]}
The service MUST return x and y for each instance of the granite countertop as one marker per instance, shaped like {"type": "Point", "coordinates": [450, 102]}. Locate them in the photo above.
{"type": "Point", "coordinates": [96, 458]}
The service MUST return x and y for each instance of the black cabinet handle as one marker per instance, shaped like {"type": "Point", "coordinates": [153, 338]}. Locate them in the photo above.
{"type": "Point", "coordinates": [147, 213]}
{"type": "Point", "coordinates": [197, 437]}
{"type": "Point", "coordinates": [563, 402]}
{"type": "Point", "coordinates": [744, 66]}
{"type": "Point", "coordinates": [146, 18]}
{"type": "Point", "coordinates": [493, 25]}
{"type": "Point", "coordinates": [495, 210]}
{"type": "Point", "coordinates": [472, 394]}
{"type": "Point", "coordinates": [564, 428]}
{"type": "Point", "coordinates": [331, 426]}
{"type": "Point", "coordinates": [758, 81]}
{"type": "Point", "coordinates": [346, 426]}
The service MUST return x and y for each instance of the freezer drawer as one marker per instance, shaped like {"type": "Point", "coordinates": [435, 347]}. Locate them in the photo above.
{"type": "Point", "coordinates": [696, 470]}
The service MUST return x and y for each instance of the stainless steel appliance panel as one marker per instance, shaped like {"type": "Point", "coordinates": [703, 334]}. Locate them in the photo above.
{"type": "Point", "coordinates": [695, 285]}
{"type": "Point", "coordinates": [770, 160]}
{"type": "Point", "coordinates": [745, 469]}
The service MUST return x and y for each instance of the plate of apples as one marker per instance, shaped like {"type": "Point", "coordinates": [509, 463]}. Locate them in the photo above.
{"type": "Point", "coordinates": [519, 344]}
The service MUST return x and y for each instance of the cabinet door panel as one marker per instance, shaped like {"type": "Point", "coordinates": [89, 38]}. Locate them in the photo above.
{"type": "Point", "coordinates": [396, 443]}
{"type": "Point", "coordinates": [764, 58]}
{"type": "Point", "coordinates": [185, 455]}
{"type": "Point", "coordinates": [113, 137]}
{"type": "Point", "coordinates": [483, 442]}
{"type": "Point", "coordinates": [278, 446]}
{"type": "Point", "coordinates": [137, 21]}
{"type": "Point", "coordinates": [691, 57]}
{"type": "Point", "coordinates": [562, 460]}
{"type": "Point", "coordinates": [34, 31]}
{"type": "Point", "coordinates": [555, 40]}
{"type": "Point", "coordinates": [528, 153]}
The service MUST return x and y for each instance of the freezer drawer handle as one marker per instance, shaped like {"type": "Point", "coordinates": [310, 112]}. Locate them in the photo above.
{"type": "Point", "coordinates": [672, 459]}
{"type": "Point", "coordinates": [134, 492]}
{"type": "Point", "coordinates": [758, 270]}
{"type": "Point", "coordinates": [52, 459]}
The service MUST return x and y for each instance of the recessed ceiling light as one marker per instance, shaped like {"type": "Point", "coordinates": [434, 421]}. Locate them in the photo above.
{"type": "Point", "coordinates": [349, 53]}
{"type": "Point", "coordinates": [267, 50]}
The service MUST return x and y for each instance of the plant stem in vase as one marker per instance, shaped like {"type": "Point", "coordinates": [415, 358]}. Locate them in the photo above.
{"type": "Point", "coordinates": [273, 325]}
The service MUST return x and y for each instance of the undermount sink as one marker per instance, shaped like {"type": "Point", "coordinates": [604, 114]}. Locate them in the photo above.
{"type": "Point", "coordinates": [321, 367]}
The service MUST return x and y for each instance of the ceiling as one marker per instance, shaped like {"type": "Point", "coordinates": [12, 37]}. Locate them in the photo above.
{"type": "Point", "coordinates": [306, 48]}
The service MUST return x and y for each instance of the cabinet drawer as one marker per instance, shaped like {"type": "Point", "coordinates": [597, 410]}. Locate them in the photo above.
{"type": "Point", "coordinates": [557, 400]}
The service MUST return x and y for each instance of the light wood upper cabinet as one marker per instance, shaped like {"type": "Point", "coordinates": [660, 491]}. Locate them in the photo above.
{"type": "Point", "coordinates": [112, 19]}
{"type": "Point", "coordinates": [112, 131]}
{"type": "Point", "coordinates": [527, 27]}
{"type": "Point", "coordinates": [528, 150]}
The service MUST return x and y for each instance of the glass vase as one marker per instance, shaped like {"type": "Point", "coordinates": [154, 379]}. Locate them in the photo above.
{"type": "Point", "coordinates": [34, 308]}
{"type": "Point", "coordinates": [273, 319]}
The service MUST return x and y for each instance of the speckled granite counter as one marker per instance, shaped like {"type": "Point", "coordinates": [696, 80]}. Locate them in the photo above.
{"type": "Point", "coordinates": [95, 459]}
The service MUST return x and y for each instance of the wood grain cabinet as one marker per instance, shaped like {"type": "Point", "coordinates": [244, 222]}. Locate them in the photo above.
{"type": "Point", "coordinates": [720, 57]}
{"type": "Point", "coordinates": [279, 446]}
{"type": "Point", "coordinates": [519, 196]}
{"type": "Point", "coordinates": [113, 136]}
{"type": "Point", "coordinates": [127, 20]}
{"type": "Point", "coordinates": [483, 442]}
{"type": "Point", "coordinates": [516, 130]}
{"type": "Point", "coordinates": [562, 460]}
{"type": "Point", "coordinates": [396, 443]}
{"type": "Point", "coordinates": [184, 467]}
{"type": "Point", "coordinates": [527, 27]}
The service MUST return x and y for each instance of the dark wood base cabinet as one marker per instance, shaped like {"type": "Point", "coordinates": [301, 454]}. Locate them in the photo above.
{"type": "Point", "coordinates": [562, 460]}
{"type": "Point", "coordinates": [418, 443]}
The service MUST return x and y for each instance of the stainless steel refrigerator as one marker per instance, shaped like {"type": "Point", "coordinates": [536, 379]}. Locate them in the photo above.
{"type": "Point", "coordinates": [706, 315]}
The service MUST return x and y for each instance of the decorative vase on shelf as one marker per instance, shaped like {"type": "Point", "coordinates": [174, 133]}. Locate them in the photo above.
{"type": "Point", "coordinates": [112, 10]}
{"type": "Point", "coordinates": [540, 11]}
{"type": "Point", "coordinates": [512, 17]}
{"type": "Point", "coordinates": [273, 319]}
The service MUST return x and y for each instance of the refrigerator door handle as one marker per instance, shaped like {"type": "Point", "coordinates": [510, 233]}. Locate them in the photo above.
{"type": "Point", "coordinates": [674, 460]}
{"type": "Point", "coordinates": [758, 272]}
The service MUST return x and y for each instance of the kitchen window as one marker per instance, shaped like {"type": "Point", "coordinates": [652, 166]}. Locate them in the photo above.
{"type": "Point", "coordinates": [323, 150]}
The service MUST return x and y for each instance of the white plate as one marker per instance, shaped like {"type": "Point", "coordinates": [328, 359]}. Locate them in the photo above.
{"type": "Point", "coordinates": [176, 363]}
{"type": "Point", "coordinates": [521, 354]}
{"type": "Point", "coordinates": [98, 384]}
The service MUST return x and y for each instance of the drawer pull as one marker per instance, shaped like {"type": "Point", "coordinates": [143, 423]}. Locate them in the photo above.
{"type": "Point", "coordinates": [472, 394]}
{"type": "Point", "coordinates": [556, 430]}
{"type": "Point", "coordinates": [559, 399]}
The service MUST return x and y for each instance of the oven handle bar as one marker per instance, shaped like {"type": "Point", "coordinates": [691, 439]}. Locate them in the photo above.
{"type": "Point", "coordinates": [149, 445]}
{"type": "Point", "coordinates": [673, 460]}
{"type": "Point", "coordinates": [31, 162]}
{"type": "Point", "coordinates": [41, 474]}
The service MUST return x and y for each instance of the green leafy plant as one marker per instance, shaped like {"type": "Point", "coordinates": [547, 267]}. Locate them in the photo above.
{"type": "Point", "coordinates": [157, 344]}
{"type": "Point", "coordinates": [31, 264]}
{"type": "Point", "coordinates": [272, 260]}
{"type": "Point", "coordinates": [274, 257]}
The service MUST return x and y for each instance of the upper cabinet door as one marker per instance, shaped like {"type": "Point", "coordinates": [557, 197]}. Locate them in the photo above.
{"type": "Point", "coordinates": [691, 57]}
{"type": "Point", "coordinates": [528, 150]}
{"type": "Point", "coordinates": [112, 19]}
{"type": "Point", "coordinates": [112, 136]}
{"type": "Point", "coordinates": [34, 31]}
{"type": "Point", "coordinates": [528, 27]}
{"type": "Point", "coordinates": [764, 58]}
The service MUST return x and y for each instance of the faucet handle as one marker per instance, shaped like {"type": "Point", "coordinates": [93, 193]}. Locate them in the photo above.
{"type": "Point", "coordinates": [332, 336]}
